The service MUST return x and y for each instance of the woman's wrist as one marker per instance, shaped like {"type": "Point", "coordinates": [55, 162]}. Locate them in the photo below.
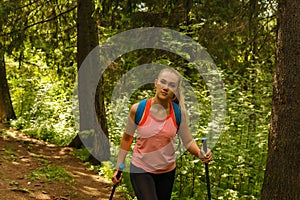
{"type": "Point", "coordinates": [120, 166]}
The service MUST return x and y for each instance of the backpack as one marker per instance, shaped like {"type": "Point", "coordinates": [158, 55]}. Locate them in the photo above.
{"type": "Point", "coordinates": [141, 107]}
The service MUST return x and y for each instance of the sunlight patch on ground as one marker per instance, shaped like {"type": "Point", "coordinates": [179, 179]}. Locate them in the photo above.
{"type": "Point", "coordinates": [40, 196]}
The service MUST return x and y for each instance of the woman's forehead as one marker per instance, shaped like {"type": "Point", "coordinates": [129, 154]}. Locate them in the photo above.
{"type": "Point", "coordinates": [169, 76]}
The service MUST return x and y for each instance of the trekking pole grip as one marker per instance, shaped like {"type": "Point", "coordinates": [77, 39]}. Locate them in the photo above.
{"type": "Point", "coordinates": [120, 169]}
{"type": "Point", "coordinates": [204, 144]}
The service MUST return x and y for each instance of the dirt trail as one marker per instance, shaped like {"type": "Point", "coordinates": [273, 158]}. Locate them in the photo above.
{"type": "Point", "coordinates": [21, 155]}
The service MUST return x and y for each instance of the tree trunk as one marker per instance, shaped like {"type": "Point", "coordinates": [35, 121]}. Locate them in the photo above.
{"type": "Point", "coordinates": [282, 175]}
{"type": "Point", "coordinates": [6, 108]}
{"type": "Point", "coordinates": [97, 138]}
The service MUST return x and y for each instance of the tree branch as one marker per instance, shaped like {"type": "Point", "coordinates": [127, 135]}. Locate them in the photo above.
{"type": "Point", "coordinates": [40, 22]}
{"type": "Point", "coordinates": [50, 19]}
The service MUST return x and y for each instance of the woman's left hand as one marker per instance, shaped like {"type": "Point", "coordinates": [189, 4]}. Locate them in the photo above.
{"type": "Point", "coordinates": [205, 157]}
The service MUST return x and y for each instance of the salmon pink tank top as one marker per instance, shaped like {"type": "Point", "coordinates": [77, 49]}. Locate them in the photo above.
{"type": "Point", "coordinates": [154, 150]}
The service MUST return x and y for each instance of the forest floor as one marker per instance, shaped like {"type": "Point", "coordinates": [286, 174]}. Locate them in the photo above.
{"type": "Point", "coordinates": [23, 158]}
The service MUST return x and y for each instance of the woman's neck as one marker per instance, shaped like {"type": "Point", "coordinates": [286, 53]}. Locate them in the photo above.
{"type": "Point", "coordinates": [160, 109]}
{"type": "Point", "coordinates": [164, 103]}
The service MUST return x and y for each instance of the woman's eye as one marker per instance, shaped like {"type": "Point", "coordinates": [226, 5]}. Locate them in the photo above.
{"type": "Point", "coordinates": [172, 85]}
{"type": "Point", "coordinates": [162, 81]}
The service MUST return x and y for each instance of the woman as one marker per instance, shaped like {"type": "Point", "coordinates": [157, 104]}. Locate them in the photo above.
{"type": "Point", "coordinates": [152, 168]}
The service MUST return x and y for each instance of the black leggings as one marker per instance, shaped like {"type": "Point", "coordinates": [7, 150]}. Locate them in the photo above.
{"type": "Point", "coordinates": [149, 186]}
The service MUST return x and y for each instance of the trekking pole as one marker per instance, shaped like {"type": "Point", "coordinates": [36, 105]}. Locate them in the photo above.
{"type": "Point", "coordinates": [121, 167]}
{"type": "Point", "coordinates": [204, 140]}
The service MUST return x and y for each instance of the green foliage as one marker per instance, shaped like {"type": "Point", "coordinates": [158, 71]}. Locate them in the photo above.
{"type": "Point", "coordinates": [52, 173]}
{"type": "Point", "coordinates": [42, 102]}
{"type": "Point", "coordinates": [10, 154]}
{"type": "Point", "coordinates": [106, 170]}
{"type": "Point", "coordinates": [39, 41]}
{"type": "Point", "coordinates": [83, 154]}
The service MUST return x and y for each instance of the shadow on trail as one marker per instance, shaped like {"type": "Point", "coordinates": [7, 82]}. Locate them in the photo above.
{"type": "Point", "coordinates": [21, 155]}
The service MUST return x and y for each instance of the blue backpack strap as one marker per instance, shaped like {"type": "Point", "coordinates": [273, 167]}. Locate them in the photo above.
{"type": "Point", "coordinates": [177, 112]}
{"type": "Point", "coordinates": [140, 111]}
{"type": "Point", "coordinates": [141, 107]}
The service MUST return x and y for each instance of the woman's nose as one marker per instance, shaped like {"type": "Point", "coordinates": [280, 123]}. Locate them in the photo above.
{"type": "Point", "coordinates": [165, 87]}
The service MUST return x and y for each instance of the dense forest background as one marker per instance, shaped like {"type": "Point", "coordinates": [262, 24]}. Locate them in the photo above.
{"type": "Point", "coordinates": [38, 41]}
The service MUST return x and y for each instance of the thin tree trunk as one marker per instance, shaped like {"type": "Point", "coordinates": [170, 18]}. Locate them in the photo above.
{"type": "Point", "coordinates": [282, 175]}
{"type": "Point", "coordinates": [6, 108]}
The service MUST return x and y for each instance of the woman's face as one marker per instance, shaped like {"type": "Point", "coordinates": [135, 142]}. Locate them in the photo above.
{"type": "Point", "coordinates": [166, 85]}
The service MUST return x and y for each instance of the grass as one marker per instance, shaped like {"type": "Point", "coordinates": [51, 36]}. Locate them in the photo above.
{"type": "Point", "coordinates": [83, 154]}
{"type": "Point", "coordinates": [10, 154]}
{"type": "Point", "coordinates": [41, 158]}
{"type": "Point", "coordinates": [52, 173]}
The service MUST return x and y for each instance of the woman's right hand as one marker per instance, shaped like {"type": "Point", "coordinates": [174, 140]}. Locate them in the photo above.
{"type": "Point", "coordinates": [114, 178]}
{"type": "Point", "coordinates": [205, 157]}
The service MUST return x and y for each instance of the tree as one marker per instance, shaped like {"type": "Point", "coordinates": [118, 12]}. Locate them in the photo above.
{"type": "Point", "coordinates": [282, 175]}
{"type": "Point", "coordinates": [6, 109]}
{"type": "Point", "coordinates": [87, 40]}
